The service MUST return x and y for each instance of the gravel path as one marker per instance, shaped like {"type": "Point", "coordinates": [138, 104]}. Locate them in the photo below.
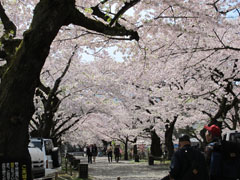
{"type": "Point", "coordinates": [126, 170]}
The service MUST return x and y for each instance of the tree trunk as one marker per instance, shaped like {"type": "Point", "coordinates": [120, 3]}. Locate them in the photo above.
{"type": "Point", "coordinates": [135, 151]}
{"type": "Point", "coordinates": [168, 137]}
{"type": "Point", "coordinates": [20, 80]}
{"type": "Point", "coordinates": [155, 144]}
{"type": "Point", "coordinates": [236, 118]}
{"type": "Point", "coordinates": [126, 149]}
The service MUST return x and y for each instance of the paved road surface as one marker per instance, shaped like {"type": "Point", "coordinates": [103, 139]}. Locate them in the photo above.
{"type": "Point", "coordinates": [126, 170]}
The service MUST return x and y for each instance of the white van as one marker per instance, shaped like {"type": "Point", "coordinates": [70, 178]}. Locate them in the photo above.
{"type": "Point", "coordinates": [37, 158]}
{"type": "Point", "coordinates": [232, 135]}
{"type": "Point", "coordinates": [52, 156]}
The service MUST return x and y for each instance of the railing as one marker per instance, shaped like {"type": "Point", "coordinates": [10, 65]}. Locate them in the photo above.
{"type": "Point", "coordinates": [72, 162]}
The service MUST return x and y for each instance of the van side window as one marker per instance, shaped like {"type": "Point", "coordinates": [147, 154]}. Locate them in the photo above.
{"type": "Point", "coordinates": [48, 147]}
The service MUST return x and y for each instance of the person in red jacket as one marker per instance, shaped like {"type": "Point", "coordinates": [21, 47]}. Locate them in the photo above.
{"type": "Point", "coordinates": [223, 157]}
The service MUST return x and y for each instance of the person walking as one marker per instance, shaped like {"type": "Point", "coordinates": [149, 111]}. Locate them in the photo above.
{"type": "Point", "coordinates": [187, 163]}
{"type": "Point", "coordinates": [223, 158]}
{"type": "Point", "coordinates": [117, 153]}
{"type": "Point", "coordinates": [94, 152]}
{"type": "Point", "coordinates": [109, 153]}
{"type": "Point", "coordinates": [89, 153]}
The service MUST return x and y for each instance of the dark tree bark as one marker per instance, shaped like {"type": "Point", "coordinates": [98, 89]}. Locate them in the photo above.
{"type": "Point", "coordinates": [135, 150]}
{"type": "Point", "coordinates": [168, 137]}
{"type": "Point", "coordinates": [155, 144]}
{"type": "Point", "coordinates": [20, 79]}
{"type": "Point", "coordinates": [126, 149]}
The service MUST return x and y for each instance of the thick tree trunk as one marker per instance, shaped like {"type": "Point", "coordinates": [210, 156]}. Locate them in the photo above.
{"type": "Point", "coordinates": [168, 137]}
{"type": "Point", "coordinates": [135, 151]}
{"type": "Point", "coordinates": [155, 144]}
{"type": "Point", "coordinates": [20, 80]}
{"type": "Point", "coordinates": [126, 149]}
{"type": "Point", "coordinates": [236, 118]}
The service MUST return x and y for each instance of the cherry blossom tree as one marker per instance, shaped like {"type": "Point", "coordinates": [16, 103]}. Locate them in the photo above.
{"type": "Point", "coordinates": [26, 58]}
{"type": "Point", "coordinates": [161, 59]}
{"type": "Point", "coordinates": [178, 46]}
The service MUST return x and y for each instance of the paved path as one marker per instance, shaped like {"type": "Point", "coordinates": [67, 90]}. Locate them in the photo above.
{"type": "Point", "coordinates": [126, 170]}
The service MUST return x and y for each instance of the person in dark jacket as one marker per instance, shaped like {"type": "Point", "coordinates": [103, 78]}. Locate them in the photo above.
{"type": "Point", "coordinates": [109, 153]}
{"type": "Point", "coordinates": [94, 152]}
{"type": "Point", "coordinates": [89, 153]}
{"type": "Point", "coordinates": [117, 153]}
{"type": "Point", "coordinates": [187, 162]}
{"type": "Point", "coordinates": [223, 158]}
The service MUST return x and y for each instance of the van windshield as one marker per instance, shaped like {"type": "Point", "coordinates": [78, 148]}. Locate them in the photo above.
{"type": "Point", "coordinates": [37, 144]}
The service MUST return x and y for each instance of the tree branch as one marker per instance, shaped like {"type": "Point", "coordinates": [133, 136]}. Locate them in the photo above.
{"type": "Point", "coordinates": [35, 123]}
{"type": "Point", "coordinates": [52, 92]}
{"type": "Point", "coordinates": [59, 134]}
{"type": "Point", "coordinates": [9, 26]}
{"type": "Point", "coordinates": [77, 18]}
{"type": "Point", "coordinates": [126, 6]}
{"type": "Point", "coordinates": [63, 123]}
{"type": "Point", "coordinates": [58, 81]}
{"type": "Point", "coordinates": [219, 38]}
{"type": "Point", "coordinates": [100, 14]}
{"type": "Point", "coordinates": [45, 89]}
{"type": "Point", "coordinates": [221, 12]}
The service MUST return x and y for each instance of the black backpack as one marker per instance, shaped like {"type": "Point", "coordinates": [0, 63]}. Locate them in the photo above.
{"type": "Point", "coordinates": [230, 163]}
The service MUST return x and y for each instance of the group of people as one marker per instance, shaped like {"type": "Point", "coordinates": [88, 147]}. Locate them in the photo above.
{"type": "Point", "coordinates": [215, 163]}
{"type": "Point", "coordinates": [116, 153]}
{"type": "Point", "coordinates": [92, 152]}
{"type": "Point", "coordinates": [219, 161]}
